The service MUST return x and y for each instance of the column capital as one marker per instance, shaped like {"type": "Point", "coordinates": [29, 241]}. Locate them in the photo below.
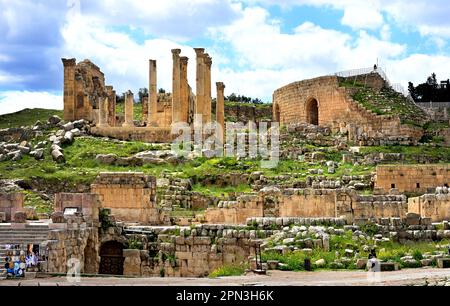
{"type": "Point", "coordinates": [199, 51]}
{"type": "Point", "coordinates": [208, 60]}
{"type": "Point", "coordinates": [67, 62]}
{"type": "Point", "coordinates": [176, 51]}
{"type": "Point", "coordinates": [220, 86]}
{"type": "Point", "coordinates": [152, 61]}
{"type": "Point", "coordinates": [184, 59]}
{"type": "Point", "coordinates": [129, 93]}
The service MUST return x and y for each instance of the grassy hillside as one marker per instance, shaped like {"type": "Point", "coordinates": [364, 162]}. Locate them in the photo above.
{"type": "Point", "coordinates": [27, 117]}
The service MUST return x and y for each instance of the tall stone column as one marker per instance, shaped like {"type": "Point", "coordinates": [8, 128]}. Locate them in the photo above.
{"type": "Point", "coordinates": [220, 107]}
{"type": "Point", "coordinates": [200, 80]}
{"type": "Point", "coordinates": [207, 98]}
{"type": "Point", "coordinates": [176, 82]}
{"type": "Point", "coordinates": [184, 90]}
{"type": "Point", "coordinates": [129, 104]}
{"type": "Point", "coordinates": [153, 95]}
{"type": "Point", "coordinates": [103, 112]}
{"type": "Point", "coordinates": [69, 89]}
{"type": "Point", "coordinates": [111, 105]}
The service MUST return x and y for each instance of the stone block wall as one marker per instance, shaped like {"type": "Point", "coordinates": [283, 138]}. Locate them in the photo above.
{"type": "Point", "coordinates": [87, 203]}
{"type": "Point", "coordinates": [146, 134]}
{"type": "Point", "coordinates": [302, 102]}
{"type": "Point", "coordinates": [434, 206]}
{"type": "Point", "coordinates": [10, 203]}
{"type": "Point", "coordinates": [380, 206]}
{"type": "Point", "coordinates": [309, 203]}
{"type": "Point", "coordinates": [130, 196]}
{"type": "Point", "coordinates": [412, 178]}
{"type": "Point", "coordinates": [193, 252]}
{"type": "Point", "coordinates": [77, 241]}
{"type": "Point", "coordinates": [235, 212]}
{"type": "Point", "coordinates": [84, 85]}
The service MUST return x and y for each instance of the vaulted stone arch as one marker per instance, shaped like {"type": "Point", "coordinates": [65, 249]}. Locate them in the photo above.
{"type": "Point", "coordinates": [312, 111]}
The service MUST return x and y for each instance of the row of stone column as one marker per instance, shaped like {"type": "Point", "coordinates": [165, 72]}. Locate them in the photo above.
{"type": "Point", "coordinates": [180, 94]}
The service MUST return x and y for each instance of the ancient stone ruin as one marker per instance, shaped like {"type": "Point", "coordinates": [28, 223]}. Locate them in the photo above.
{"type": "Point", "coordinates": [87, 97]}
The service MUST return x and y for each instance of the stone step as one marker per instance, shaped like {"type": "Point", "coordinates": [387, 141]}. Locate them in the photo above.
{"type": "Point", "coordinates": [7, 236]}
{"type": "Point", "coordinates": [23, 241]}
{"type": "Point", "coordinates": [39, 229]}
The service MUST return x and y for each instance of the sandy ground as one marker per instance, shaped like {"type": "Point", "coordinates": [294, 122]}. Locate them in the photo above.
{"type": "Point", "coordinates": [273, 278]}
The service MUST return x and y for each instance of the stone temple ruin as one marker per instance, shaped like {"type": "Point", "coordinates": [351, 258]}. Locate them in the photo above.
{"type": "Point", "coordinates": [87, 97]}
{"type": "Point", "coordinates": [327, 101]}
{"type": "Point", "coordinates": [118, 229]}
{"type": "Point", "coordinates": [122, 224]}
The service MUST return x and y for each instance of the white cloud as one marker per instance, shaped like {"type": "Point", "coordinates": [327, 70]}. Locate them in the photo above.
{"type": "Point", "coordinates": [362, 16]}
{"type": "Point", "coordinates": [269, 58]}
{"type": "Point", "coordinates": [429, 18]}
{"type": "Point", "coordinates": [7, 78]}
{"type": "Point", "coordinates": [417, 67]}
{"type": "Point", "coordinates": [13, 101]}
{"type": "Point", "coordinates": [123, 60]}
{"type": "Point", "coordinates": [178, 20]}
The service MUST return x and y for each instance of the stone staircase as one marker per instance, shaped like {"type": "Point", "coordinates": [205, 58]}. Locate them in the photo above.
{"type": "Point", "coordinates": [20, 237]}
{"type": "Point", "coordinates": [27, 235]}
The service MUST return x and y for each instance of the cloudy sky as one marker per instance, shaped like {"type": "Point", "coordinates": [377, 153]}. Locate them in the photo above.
{"type": "Point", "coordinates": [256, 45]}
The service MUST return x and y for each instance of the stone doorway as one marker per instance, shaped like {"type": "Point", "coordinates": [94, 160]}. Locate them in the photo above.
{"type": "Point", "coordinates": [312, 112]}
{"type": "Point", "coordinates": [111, 258]}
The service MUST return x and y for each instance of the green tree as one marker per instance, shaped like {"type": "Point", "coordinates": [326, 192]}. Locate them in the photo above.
{"type": "Point", "coordinates": [143, 92]}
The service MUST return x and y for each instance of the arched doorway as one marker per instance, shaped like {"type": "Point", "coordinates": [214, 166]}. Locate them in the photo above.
{"type": "Point", "coordinates": [111, 258]}
{"type": "Point", "coordinates": [312, 112]}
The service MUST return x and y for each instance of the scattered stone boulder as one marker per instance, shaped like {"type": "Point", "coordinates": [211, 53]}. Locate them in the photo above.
{"type": "Point", "coordinates": [20, 217]}
{"type": "Point", "coordinates": [108, 159]}
{"type": "Point", "coordinates": [58, 217]}
{"type": "Point", "coordinates": [68, 138]}
{"type": "Point", "coordinates": [361, 263]}
{"type": "Point", "coordinates": [412, 219]}
{"type": "Point", "coordinates": [68, 126]}
{"type": "Point", "coordinates": [58, 156]}
{"type": "Point", "coordinates": [30, 213]}
{"type": "Point", "coordinates": [54, 120]}
{"type": "Point", "coordinates": [272, 264]}
{"type": "Point", "coordinates": [320, 263]}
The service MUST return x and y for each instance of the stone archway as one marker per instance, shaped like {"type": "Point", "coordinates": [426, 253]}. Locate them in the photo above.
{"type": "Point", "coordinates": [312, 111]}
{"type": "Point", "coordinates": [111, 258]}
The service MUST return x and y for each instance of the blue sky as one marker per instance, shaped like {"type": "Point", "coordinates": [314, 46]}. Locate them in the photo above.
{"type": "Point", "coordinates": [256, 45]}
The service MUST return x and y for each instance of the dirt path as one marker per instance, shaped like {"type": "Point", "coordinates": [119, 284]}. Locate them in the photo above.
{"type": "Point", "coordinates": [274, 278]}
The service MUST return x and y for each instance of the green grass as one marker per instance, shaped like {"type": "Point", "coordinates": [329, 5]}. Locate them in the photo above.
{"type": "Point", "coordinates": [261, 106]}
{"type": "Point", "coordinates": [228, 270]}
{"type": "Point", "coordinates": [137, 110]}
{"type": "Point", "coordinates": [386, 251]}
{"type": "Point", "coordinates": [33, 199]}
{"type": "Point", "coordinates": [217, 191]}
{"type": "Point", "coordinates": [81, 166]}
{"type": "Point", "coordinates": [440, 153]}
{"type": "Point", "coordinates": [27, 117]}
{"type": "Point", "coordinates": [388, 102]}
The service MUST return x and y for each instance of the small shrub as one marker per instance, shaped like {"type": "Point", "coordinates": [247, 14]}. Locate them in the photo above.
{"type": "Point", "coordinates": [228, 270]}
{"type": "Point", "coordinates": [369, 228]}
{"type": "Point", "coordinates": [135, 243]}
{"type": "Point", "coordinates": [417, 255]}
{"type": "Point", "coordinates": [105, 221]}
